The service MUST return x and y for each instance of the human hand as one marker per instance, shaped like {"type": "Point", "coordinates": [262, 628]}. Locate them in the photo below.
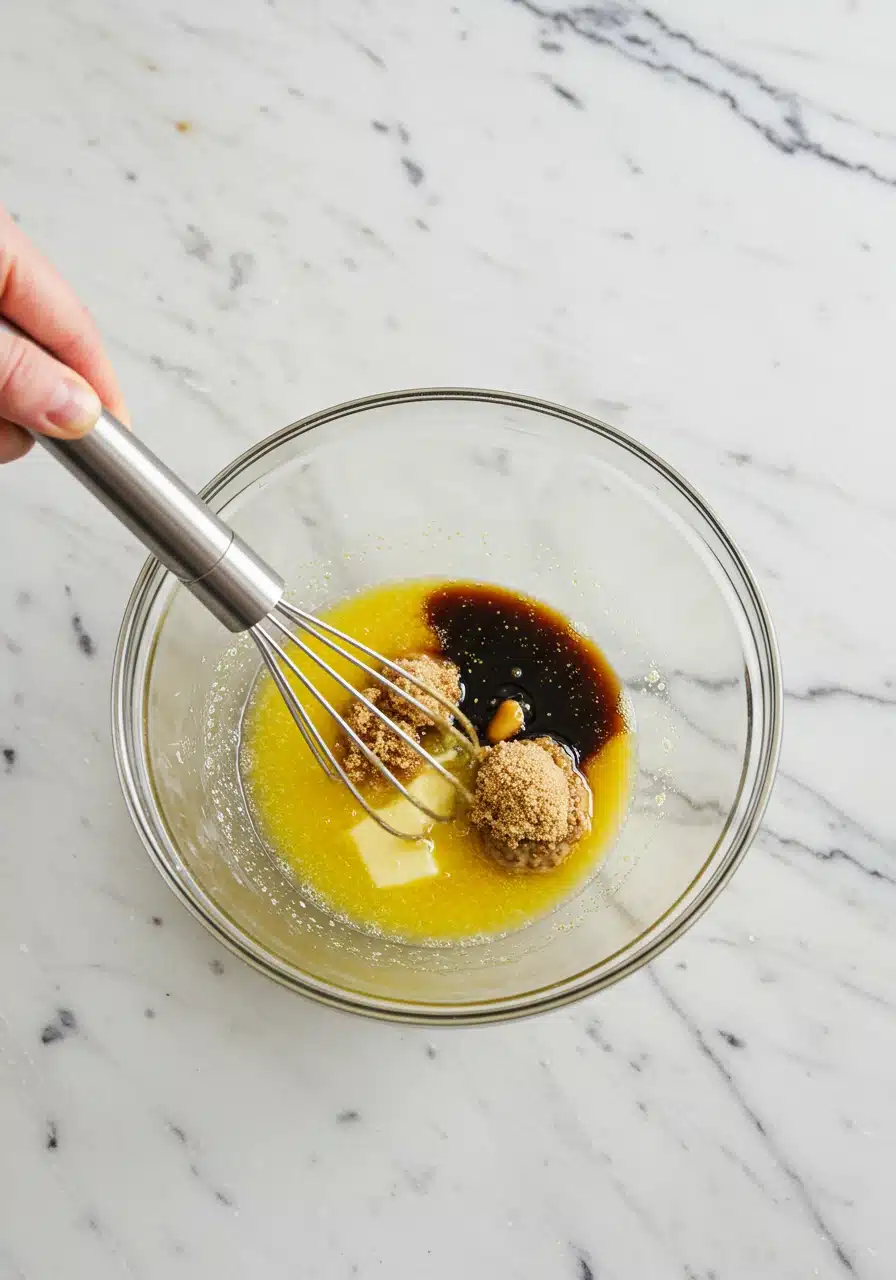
{"type": "Point", "coordinates": [59, 397]}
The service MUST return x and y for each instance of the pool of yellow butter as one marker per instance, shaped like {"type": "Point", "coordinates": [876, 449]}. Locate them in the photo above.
{"type": "Point", "coordinates": [309, 821]}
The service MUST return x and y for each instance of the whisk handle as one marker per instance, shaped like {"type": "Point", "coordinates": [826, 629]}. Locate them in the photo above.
{"type": "Point", "coordinates": [171, 521]}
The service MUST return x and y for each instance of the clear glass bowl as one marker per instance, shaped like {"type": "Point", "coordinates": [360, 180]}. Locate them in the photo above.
{"type": "Point", "coordinates": [498, 488]}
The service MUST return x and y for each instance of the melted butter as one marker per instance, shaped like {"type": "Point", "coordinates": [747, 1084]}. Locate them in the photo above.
{"type": "Point", "coordinates": [307, 819]}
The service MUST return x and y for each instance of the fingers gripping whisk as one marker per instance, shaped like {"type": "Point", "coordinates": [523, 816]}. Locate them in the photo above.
{"type": "Point", "coordinates": [285, 631]}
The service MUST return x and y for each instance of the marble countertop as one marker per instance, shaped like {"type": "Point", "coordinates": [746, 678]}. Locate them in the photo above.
{"type": "Point", "coordinates": [681, 219]}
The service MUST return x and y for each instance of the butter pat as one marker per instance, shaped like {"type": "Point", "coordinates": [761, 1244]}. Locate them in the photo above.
{"type": "Point", "coordinates": [391, 861]}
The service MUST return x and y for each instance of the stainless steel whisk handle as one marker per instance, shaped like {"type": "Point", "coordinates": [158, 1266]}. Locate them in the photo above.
{"type": "Point", "coordinates": [171, 521]}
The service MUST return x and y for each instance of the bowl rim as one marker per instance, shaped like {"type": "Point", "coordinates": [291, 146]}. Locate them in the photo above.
{"type": "Point", "coordinates": [129, 740]}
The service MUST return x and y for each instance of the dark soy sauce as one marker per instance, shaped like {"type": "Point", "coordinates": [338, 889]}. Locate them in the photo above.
{"type": "Point", "coordinates": [508, 646]}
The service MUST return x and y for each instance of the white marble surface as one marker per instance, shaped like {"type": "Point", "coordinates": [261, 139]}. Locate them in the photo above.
{"type": "Point", "coordinates": [682, 219]}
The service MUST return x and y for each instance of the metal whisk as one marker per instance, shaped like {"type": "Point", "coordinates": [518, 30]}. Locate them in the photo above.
{"type": "Point", "coordinates": [275, 654]}
{"type": "Point", "coordinates": [245, 594]}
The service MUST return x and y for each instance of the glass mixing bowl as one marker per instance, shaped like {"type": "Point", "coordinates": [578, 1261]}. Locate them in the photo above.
{"type": "Point", "coordinates": [498, 488]}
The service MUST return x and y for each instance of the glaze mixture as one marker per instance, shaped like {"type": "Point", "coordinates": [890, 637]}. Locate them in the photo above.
{"type": "Point", "coordinates": [509, 649]}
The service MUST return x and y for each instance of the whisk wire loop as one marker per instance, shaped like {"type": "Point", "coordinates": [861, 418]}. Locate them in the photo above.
{"type": "Point", "coordinates": [276, 658]}
{"type": "Point", "coordinates": [322, 631]}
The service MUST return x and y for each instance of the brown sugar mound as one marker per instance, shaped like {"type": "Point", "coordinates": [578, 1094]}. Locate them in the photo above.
{"type": "Point", "coordinates": [521, 794]}
{"type": "Point", "coordinates": [385, 744]}
{"type": "Point", "coordinates": [530, 804]}
{"type": "Point", "coordinates": [396, 754]}
{"type": "Point", "coordinates": [438, 673]}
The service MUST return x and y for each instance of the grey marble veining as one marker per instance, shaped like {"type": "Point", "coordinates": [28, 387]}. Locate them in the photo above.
{"type": "Point", "coordinates": [680, 219]}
